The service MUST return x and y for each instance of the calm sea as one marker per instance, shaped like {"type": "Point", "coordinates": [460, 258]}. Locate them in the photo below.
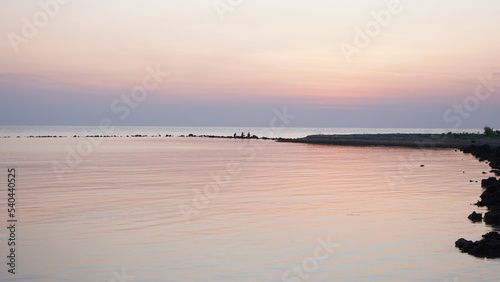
{"type": "Point", "coordinates": [200, 209]}
{"type": "Point", "coordinates": [284, 132]}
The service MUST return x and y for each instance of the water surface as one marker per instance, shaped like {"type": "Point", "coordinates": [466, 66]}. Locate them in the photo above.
{"type": "Point", "coordinates": [122, 206]}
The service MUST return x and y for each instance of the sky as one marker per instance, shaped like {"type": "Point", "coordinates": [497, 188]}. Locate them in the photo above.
{"type": "Point", "coordinates": [390, 63]}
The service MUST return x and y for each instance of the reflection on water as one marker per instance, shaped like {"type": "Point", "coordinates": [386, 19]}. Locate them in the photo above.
{"type": "Point", "coordinates": [123, 210]}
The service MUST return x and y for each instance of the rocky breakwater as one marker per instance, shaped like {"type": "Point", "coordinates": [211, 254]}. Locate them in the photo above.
{"type": "Point", "coordinates": [489, 246]}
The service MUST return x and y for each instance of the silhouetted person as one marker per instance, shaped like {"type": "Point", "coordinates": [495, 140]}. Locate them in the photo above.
{"type": "Point", "coordinates": [234, 135]}
{"type": "Point", "coordinates": [248, 135]}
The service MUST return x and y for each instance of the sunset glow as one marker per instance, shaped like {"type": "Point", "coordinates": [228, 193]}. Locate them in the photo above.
{"type": "Point", "coordinates": [255, 54]}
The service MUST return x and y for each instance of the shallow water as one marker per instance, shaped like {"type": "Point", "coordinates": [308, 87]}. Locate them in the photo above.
{"type": "Point", "coordinates": [115, 211]}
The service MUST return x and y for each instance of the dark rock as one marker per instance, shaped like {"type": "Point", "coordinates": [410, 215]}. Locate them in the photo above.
{"type": "Point", "coordinates": [484, 149]}
{"type": "Point", "coordinates": [469, 149]}
{"type": "Point", "coordinates": [488, 247]}
{"type": "Point", "coordinates": [495, 164]}
{"type": "Point", "coordinates": [493, 216]}
{"type": "Point", "coordinates": [493, 188]}
{"type": "Point", "coordinates": [485, 152]}
{"type": "Point", "coordinates": [492, 236]}
{"type": "Point", "coordinates": [475, 217]}
{"type": "Point", "coordinates": [487, 182]}
{"type": "Point", "coordinates": [463, 244]}
{"type": "Point", "coordinates": [490, 197]}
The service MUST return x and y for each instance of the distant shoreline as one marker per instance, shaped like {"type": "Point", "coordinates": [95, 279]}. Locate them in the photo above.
{"type": "Point", "coordinates": [140, 136]}
{"type": "Point", "coordinates": [408, 140]}
{"type": "Point", "coordinates": [450, 141]}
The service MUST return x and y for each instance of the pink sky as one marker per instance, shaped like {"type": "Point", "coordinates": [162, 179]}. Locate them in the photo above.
{"type": "Point", "coordinates": [284, 53]}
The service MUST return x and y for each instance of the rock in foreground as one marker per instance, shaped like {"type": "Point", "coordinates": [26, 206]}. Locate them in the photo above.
{"type": "Point", "coordinates": [491, 196]}
{"type": "Point", "coordinates": [488, 247]}
{"type": "Point", "coordinates": [493, 216]}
